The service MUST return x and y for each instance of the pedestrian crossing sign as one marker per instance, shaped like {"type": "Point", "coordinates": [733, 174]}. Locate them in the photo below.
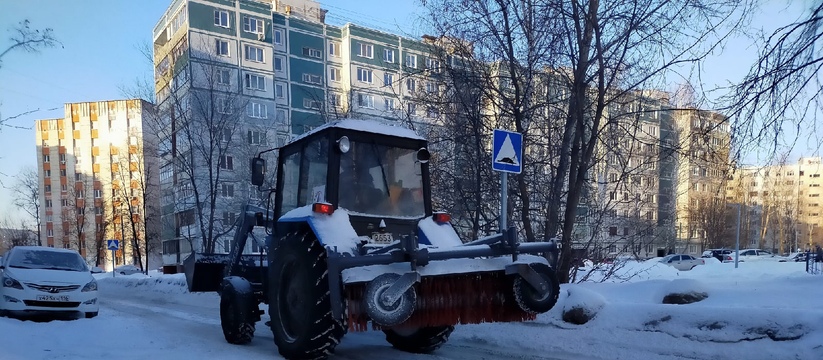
{"type": "Point", "coordinates": [507, 151]}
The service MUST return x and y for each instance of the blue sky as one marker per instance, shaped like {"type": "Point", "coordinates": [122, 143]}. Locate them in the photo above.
{"type": "Point", "coordinates": [99, 55]}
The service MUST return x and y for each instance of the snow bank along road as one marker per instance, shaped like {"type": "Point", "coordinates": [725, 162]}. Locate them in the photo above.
{"type": "Point", "coordinates": [760, 311]}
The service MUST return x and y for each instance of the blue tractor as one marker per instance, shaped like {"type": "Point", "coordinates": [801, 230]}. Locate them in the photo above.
{"type": "Point", "coordinates": [352, 243]}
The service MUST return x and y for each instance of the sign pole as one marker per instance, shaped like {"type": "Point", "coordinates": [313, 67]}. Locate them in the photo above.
{"type": "Point", "coordinates": [112, 263]}
{"type": "Point", "coordinates": [503, 201]}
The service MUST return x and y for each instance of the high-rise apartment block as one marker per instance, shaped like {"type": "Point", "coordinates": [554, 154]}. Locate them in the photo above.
{"type": "Point", "coordinates": [96, 170]}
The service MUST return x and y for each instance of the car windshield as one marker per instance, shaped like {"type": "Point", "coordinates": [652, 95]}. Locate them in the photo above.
{"type": "Point", "coordinates": [45, 259]}
{"type": "Point", "coordinates": [381, 180]}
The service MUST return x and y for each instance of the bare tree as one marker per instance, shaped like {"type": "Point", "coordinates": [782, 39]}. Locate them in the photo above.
{"type": "Point", "coordinates": [24, 38]}
{"type": "Point", "coordinates": [77, 213]}
{"type": "Point", "coordinates": [594, 53]}
{"type": "Point", "coordinates": [27, 198]}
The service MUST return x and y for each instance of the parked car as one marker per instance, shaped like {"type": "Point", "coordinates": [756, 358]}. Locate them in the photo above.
{"type": "Point", "coordinates": [760, 255]}
{"type": "Point", "coordinates": [127, 269]}
{"type": "Point", "coordinates": [719, 254]}
{"type": "Point", "coordinates": [682, 262]}
{"type": "Point", "coordinates": [96, 270]}
{"type": "Point", "coordinates": [38, 279]}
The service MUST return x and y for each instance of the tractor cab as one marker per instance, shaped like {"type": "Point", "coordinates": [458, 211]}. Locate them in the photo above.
{"type": "Point", "coordinates": [377, 173]}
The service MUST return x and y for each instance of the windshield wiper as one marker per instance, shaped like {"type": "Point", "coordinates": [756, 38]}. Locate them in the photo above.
{"type": "Point", "coordinates": [382, 169]}
{"type": "Point", "coordinates": [57, 268]}
{"type": "Point", "coordinates": [21, 267]}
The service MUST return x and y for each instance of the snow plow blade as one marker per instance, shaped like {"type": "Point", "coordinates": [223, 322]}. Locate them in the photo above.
{"type": "Point", "coordinates": [205, 272]}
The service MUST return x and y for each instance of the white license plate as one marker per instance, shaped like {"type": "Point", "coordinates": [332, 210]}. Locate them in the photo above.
{"type": "Point", "coordinates": [382, 238]}
{"type": "Point", "coordinates": [63, 298]}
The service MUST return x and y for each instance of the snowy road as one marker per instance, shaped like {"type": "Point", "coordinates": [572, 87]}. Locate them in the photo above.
{"type": "Point", "coordinates": [196, 321]}
{"type": "Point", "coordinates": [760, 311]}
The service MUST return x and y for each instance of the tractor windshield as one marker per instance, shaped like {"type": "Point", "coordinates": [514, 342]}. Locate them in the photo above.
{"type": "Point", "coordinates": [381, 180]}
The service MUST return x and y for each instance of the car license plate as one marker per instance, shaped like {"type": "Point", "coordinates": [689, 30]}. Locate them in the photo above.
{"type": "Point", "coordinates": [52, 298]}
{"type": "Point", "coordinates": [382, 238]}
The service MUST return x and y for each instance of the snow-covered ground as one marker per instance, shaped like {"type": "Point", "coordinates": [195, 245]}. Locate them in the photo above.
{"type": "Point", "coordinates": [763, 310]}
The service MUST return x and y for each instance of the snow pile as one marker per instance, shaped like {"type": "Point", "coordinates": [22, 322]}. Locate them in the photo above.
{"type": "Point", "coordinates": [169, 284]}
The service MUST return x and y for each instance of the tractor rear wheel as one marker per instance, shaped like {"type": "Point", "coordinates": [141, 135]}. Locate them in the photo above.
{"type": "Point", "coordinates": [236, 306]}
{"type": "Point", "coordinates": [299, 303]}
{"type": "Point", "coordinates": [419, 341]}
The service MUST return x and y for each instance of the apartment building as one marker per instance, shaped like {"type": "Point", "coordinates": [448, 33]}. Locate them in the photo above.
{"type": "Point", "coordinates": [97, 171]}
{"type": "Point", "coordinates": [782, 202]}
{"type": "Point", "coordinates": [274, 69]}
{"type": "Point", "coordinates": [702, 166]}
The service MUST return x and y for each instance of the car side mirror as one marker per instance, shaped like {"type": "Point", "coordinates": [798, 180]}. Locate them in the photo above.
{"type": "Point", "coordinates": [258, 171]}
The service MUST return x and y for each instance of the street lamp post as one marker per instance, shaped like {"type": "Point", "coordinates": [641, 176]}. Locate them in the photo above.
{"type": "Point", "coordinates": [737, 238]}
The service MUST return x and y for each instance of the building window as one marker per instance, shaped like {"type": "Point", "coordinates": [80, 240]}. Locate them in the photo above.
{"type": "Point", "coordinates": [307, 51]}
{"type": "Point", "coordinates": [411, 108]}
{"type": "Point", "coordinates": [48, 203]}
{"type": "Point", "coordinates": [279, 91]}
{"type": "Point", "coordinates": [223, 76]}
{"type": "Point", "coordinates": [334, 74]}
{"type": "Point", "coordinates": [411, 61]}
{"type": "Point", "coordinates": [311, 104]}
{"type": "Point", "coordinates": [364, 75]}
{"type": "Point", "coordinates": [255, 82]}
{"type": "Point", "coordinates": [365, 100]}
{"type": "Point", "coordinates": [388, 79]}
{"type": "Point", "coordinates": [62, 172]}
{"type": "Point", "coordinates": [257, 110]}
{"type": "Point", "coordinates": [222, 47]}
{"type": "Point", "coordinates": [388, 55]}
{"type": "Point", "coordinates": [613, 231]}
{"type": "Point", "coordinates": [278, 64]}
{"type": "Point", "coordinates": [252, 25]}
{"type": "Point", "coordinates": [312, 79]}
{"type": "Point", "coordinates": [389, 104]}
{"type": "Point", "coordinates": [221, 18]}
{"type": "Point", "coordinates": [225, 134]}
{"type": "Point", "coordinates": [226, 162]}
{"type": "Point", "coordinates": [50, 232]}
{"type": "Point", "coordinates": [280, 117]}
{"type": "Point", "coordinates": [334, 49]}
{"type": "Point", "coordinates": [335, 99]}
{"type": "Point", "coordinates": [411, 84]}
{"type": "Point", "coordinates": [226, 190]}
{"type": "Point", "coordinates": [278, 36]}
{"type": "Point", "coordinates": [433, 64]}
{"type": "Point", "coordinates": [253, 53]}
{"type": "Point", "coordinates": [365, 51]}
{"type": "Point", "coordinates": [256, 137]}
{"type": "Point", "coordinates": [46, 158]}
{"type": "Point", "coordinates": [47, 173]}
{"type": "Point", "coordinates": [223, 105]}
{"type": "Point", "coordinates": [98, 193]}
{"type": "Point", "coordinates": [228, 219]}
{"type": "Point", "coordinates": [431, 87]}
{"type": "Point", "coordinates": [47, 188]}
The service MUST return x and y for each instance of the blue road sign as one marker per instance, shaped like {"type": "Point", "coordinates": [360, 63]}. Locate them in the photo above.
{"type": "Point", "coordinates": [113, 244]}
{"type": "Point", "coordinates": [507, 151]}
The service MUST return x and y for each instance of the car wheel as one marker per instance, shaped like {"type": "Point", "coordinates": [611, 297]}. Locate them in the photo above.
{"type": "Point", "coordinates": [90, 315]}
{"type": "Point", "coordinates": [693, 266]}
{"type": "Point", "coordinates": [122, 273]}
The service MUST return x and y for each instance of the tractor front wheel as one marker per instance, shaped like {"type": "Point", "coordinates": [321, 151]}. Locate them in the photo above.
{"type": "Point", "coordinates": [236, 306]}
{"type": "Point", "coordinates": [421, 340]}
{"type": "Point", "coordinates": [299, 303]}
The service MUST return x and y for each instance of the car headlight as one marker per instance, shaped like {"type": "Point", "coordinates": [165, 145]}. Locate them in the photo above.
{"type": "Point", "coordinates": [11, 283]}
{"type": "Point", "coordinates": [92, 286]}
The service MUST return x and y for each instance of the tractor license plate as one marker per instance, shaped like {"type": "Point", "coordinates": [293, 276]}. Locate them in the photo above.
{"type": "Point", "coordinates": [63, 298]}
{"type": "Point", "coordinates": [381, 238]}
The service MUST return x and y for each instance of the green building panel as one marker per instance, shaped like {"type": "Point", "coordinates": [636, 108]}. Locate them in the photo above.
{"type": "Point", "coordinates": [202, 17]}
{"type": "Point", "coordinates": [377, 55]}
{"type": "Point", "coordinates": [303, 121]}
{"type": "Point", "coordinates": [257, 8]}
{"type": "Point", "coordinates": [372, 35]}
{"type": "Point", "coordinates": [306, 26]}
{"type": "Point", "coordinates": [220, 2]}
{"type": "Point", "coordinates": [300, 93]}
{"type": "Point", "coordinates": [334, 32]}
{"type": "Point", "coordinates": [253, 36]}
{"type": "Point", "coordinates": [278, 19]}
{"type": "Point", "coordinates": [299, 67]}
{"type": "Point", "coordinates": [297, 41]}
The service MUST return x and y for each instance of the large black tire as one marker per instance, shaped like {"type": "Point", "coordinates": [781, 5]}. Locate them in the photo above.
{"type": "Point", "coordinates": [299, 304]}
{"type": "Point", "coordinates": [236, 318]}
{"type": "Point", "coordinates": [529, 299]}
{"type": "Point", "coordinates": [419, 341]}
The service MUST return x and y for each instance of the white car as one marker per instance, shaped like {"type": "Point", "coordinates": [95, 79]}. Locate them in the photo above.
{"type": "Point", "coordinates": [682, 262]}
{"type": "Point", "coordinates": [38, 279]}
{"type": "Point", "coordinates": [759, 255]}
{"type": "Point", "coordinates": [127, 270]}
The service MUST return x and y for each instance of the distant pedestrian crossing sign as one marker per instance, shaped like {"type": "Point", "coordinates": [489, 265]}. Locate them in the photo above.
{"type": "Point", "coordinates": [113, 245]}
{"type": "Point", "coordinates": [507, 151]}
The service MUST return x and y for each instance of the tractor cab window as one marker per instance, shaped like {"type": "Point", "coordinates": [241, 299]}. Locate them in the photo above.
{"type": "Point", "coordinates": [381, 180]}
{"type": "Point", "coordinates": [291, 177]}
{"type": "Point", "coordinates": [313, 176]}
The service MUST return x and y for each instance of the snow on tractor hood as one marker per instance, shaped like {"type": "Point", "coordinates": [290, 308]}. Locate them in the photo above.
{"type": "Point", "coordinates": [336, 233]}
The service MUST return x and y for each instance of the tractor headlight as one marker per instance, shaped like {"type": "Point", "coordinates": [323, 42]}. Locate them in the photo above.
{"type": "Point", "coordinates": [343, 144]}
{"type": "Point", "coordinates": [11, 283]}
{"type": "Point", "coordinates": [92, 286]}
